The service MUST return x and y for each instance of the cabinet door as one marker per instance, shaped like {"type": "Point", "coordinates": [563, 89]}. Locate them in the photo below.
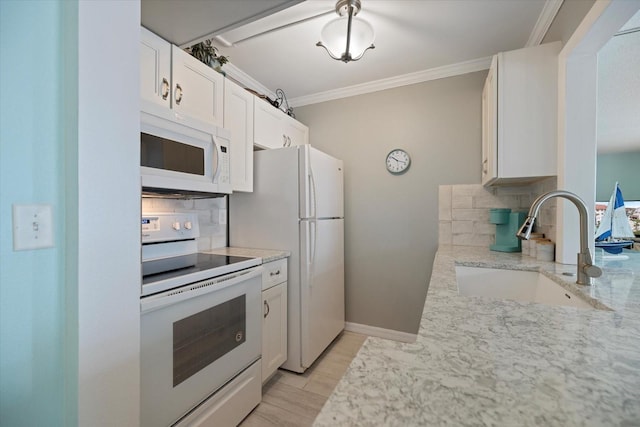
{"type": "Point", "coordinates": [238, 118]}
{"type": "Point", "coordinates": [197, 89]}
{"type": "Point", "coordinates": [155, 68]}
{"type": "Point", "coordinates": [296, 132]}
{"type": "Point", "coordinates": [489, 125]}
{"type": "Point", "coordinates": [519, 116]}
{"type": "Point", "coordinates": [527, 81]}
{"type": "Point", "coordinates": [268, 125]}
{"type": "Point", "coordinates": [274, 329]}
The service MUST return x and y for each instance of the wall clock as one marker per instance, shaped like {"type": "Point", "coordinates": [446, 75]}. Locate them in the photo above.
{"type": "Point", "coordinates": [398, 161]}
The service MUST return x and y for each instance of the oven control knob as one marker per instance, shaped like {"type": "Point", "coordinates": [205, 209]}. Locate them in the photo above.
{"type": "Point", "coordinates": [176, 226]}
{"type": "Point", "coordinates": [187, 225]}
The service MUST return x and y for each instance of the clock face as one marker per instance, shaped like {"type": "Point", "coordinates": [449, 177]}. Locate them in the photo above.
{"type": "Point", "coordinates": [398, 161]}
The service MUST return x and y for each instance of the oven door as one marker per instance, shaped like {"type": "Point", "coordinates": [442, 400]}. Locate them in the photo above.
{"type": "Point", "coordinates": [194, 339]}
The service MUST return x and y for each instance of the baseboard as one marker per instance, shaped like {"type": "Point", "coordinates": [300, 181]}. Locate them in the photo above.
{"type": "Point", "coordinates": [374, 331]}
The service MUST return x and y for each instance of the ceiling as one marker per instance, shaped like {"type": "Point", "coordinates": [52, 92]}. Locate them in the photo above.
{"type": "Point", "coordinates": [271, 43]}
{"type": "Point", "coordinates": [186, 22]}
{"type": "Point", "coordinates": [619, 91]}
{"type": "Point", "coordinates": [411, 36]}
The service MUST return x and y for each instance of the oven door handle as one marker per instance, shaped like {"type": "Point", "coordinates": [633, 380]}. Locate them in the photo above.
{"type": "Point", "coordinates": [203, 287]}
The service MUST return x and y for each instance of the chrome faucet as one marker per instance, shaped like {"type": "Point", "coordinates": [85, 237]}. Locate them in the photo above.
{"type": "Point", "coordinates": [586, 269]}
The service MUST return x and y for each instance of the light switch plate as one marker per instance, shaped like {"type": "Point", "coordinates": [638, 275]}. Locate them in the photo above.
{"type": "Point", "coordinates": [32, 227]}
{"type": "Point", "coordinates": [222, 216]}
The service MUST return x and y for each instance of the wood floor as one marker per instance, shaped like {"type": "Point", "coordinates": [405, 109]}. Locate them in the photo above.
{"type": "Point", "coordinates": [294, 400]}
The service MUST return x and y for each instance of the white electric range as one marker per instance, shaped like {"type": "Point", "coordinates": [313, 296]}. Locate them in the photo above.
{"type": "Point", "coordinates": [200, 327]}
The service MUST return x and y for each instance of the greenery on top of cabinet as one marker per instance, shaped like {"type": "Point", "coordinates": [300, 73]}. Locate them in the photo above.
{"type": "Point", "coordinates": [207, 53]}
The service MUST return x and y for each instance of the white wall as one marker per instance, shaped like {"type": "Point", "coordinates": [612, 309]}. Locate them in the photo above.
{"type": "Point", "coordinates": [577, 107]}
{"type": "Point", "coordinates": [391, 222]}
{"type": "Point", "coordinates": [108, 211]}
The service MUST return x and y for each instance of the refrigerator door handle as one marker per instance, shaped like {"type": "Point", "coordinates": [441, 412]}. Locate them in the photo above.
{"type": "Point", "coordinates": [314, 242]}
{"type": "Point", "coordinates": [309, 248]}
{"type": "Point", "coordinates": [314, 201]}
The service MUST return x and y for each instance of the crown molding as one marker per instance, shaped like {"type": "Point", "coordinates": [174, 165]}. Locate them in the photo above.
{"type": "Point", "coordinates": [392, 82]}
{"type": "Point", "coordinates": [547, 15]}
{"type": "Point", "coordinates": [244, 79]}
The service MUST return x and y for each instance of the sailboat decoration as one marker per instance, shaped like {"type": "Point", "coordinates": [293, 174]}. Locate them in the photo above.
{"type": "Point", "coordinates": [614, 232]}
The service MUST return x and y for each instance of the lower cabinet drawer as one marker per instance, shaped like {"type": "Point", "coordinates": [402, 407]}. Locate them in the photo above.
{"type": "Point", "coordinates": [231, 404]}
{"type": "Point", "coordinates": [274, 272]}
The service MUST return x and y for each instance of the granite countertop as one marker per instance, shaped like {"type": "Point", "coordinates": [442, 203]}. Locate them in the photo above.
{"type": "Point", "coordinates": [267, 255]}
{"type": "Point", "coordinates": [482, 361]}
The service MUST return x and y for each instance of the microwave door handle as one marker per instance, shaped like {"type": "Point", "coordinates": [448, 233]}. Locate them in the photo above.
{"type": "Point", "coordinates": [216, 163]}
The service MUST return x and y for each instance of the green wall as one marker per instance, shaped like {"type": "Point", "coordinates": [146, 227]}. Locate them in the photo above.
{"type": "Point", "coordinates": [622, 167]}
{"type": "Point", "coordinates": [34, 390]}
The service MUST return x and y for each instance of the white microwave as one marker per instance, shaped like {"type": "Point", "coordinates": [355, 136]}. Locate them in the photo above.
{"type": "Point", "coordinates": [183, 156]}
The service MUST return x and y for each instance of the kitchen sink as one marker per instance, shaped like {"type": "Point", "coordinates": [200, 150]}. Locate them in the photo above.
{"type": "Point", "coordinates": [517, 285]}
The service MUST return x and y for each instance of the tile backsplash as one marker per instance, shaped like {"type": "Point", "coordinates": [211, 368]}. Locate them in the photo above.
{"type": "Point", "coordinates": [212, 215]}
{"type": "Point", "coordinates": [463, 210]}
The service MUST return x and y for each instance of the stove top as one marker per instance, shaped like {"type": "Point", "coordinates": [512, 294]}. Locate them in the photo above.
{"type": "Point", "coordinates": [168, 273]}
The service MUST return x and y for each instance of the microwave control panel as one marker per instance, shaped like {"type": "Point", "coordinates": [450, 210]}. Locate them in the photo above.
{"type": "Point", "coordinates": [224, 177]}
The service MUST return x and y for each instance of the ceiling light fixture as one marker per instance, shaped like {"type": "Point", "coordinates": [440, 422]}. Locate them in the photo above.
{"type": "Point", "coordinates": [359, 37]}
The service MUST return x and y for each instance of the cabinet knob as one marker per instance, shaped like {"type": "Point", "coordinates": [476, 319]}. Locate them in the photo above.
{"type": "Point", "coordinates": [178, 94]}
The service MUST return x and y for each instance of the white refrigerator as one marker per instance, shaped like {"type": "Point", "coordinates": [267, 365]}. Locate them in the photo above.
{"type": "Point", "coordinates": [298, 205]}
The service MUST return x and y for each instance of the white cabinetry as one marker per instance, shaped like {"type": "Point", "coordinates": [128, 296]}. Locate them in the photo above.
{"type": "Point", "coordinates": [274, 317]}
{"type": "Point", "coordinates": [155, 68]}
{"type": "Point", "coordinates": [274, 129]}
{"type": "Point", "coordinates": [238, 118]}
{"type": "Point", "coordinates": [295, 132]}
{"type": "Point", "coordinates": [490, 125]}
{"type": "Point", "coordinates": [267, 131]}
{"type": "Point", "coordinates": [172, 78]}
{"type": "Point", "coordinates": [519, 116]}
{"type": "Point", "coordinates": [197, 88]}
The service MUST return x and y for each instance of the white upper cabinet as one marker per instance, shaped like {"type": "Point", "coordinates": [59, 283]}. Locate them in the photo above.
{"type": "Point", "coordinates": [171, 77]}
{"type": "Point", "coordinates": [490, 125]}
{"type": "Point", "coordinates": [274, 129]}
{"type": "Point", "coordinates": [267, 131]}
{"type": "Point", "coordinates": [155, 68]}
{"type": "Point", "coordinates": [519, 109]}
{"type": "Point", "coordinates": [238, 118]}
{"type": "Point", "coordinates": [197, 88]}
{"type": "Point", "coordinates": [295, 132]}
